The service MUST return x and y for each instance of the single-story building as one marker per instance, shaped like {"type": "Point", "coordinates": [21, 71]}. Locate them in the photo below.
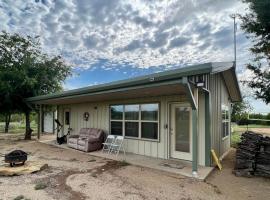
{"type": "Point", "coordinates": [177, 114]}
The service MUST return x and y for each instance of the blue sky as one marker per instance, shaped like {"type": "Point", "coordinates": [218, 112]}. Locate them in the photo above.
{"type": "Point", "coordinates": [99, 73]}
{"type": "Point", "coordinates": [108, 40]}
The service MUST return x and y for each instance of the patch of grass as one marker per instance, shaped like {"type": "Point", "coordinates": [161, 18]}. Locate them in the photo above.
{"type": "Point", "coordinates": [243, 128]}
{"type": "Point", "coordinates": [17, 127]}
{"type": "Point", "coordinates": [40, 186]}
{"type": "Point", "coordinates": [237, 130]}
{"type": "Point", "coordinates": [235, 139]}
{"type": "Point", "coordinates": [20, 197]}
{"type": "Point", "coordinates": [124, 163]}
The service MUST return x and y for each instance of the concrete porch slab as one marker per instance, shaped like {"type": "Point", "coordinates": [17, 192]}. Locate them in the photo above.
{"type": "Point", "coordinates": [180, 167]}
{"type": "Point", "coordinates": [175, 166]}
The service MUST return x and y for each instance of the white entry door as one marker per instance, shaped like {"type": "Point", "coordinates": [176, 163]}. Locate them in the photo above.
{"type": "Point", "coordinates": [48, 122]}
{"type": "Point", "coordinates": [180, 131]}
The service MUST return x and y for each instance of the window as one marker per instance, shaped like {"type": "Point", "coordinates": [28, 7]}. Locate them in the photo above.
{"type": "Point", "coordinates": [225, 121]}
{"type": "Point", "coordinates": [67, 118]}
{"type": "Point", "coordinates": [132, 120]}
{"type": "Point", "coordinates": [117, 112]}
{"type": "Point", "coordinates": [140, 121]}
{"type": "Point", "coordinates": [132, 129]}
{"type": "Point", "coordinates": [149, 118]}
{"type": "Point", "coordinates": [149, 130]}
{"type": "Point", "coordinates": [116, 128]}
{"type": "Point", "coordinates": [117, 120]}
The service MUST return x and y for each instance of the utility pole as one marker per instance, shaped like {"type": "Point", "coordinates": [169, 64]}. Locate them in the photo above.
{"type": "Point", "coordinates": [234, 36]}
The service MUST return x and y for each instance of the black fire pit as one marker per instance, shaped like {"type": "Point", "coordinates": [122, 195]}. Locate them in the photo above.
{"type": "Point", "coordinates": [16, 157]}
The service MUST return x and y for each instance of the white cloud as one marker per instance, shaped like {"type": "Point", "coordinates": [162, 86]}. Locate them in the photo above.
{"type": "Point", "coordinates": [143, 33]}
{"type": "Point", "coordinates": [140, 33]}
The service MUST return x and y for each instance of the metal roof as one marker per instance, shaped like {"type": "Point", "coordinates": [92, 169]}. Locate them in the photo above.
{"type": "Point", "coordinates": [142, 80]}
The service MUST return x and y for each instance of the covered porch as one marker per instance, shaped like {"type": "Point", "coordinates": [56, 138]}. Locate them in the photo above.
{"type": "Point", "coordinates": [152, 87]}
{"type": "Point", "coordinates": [174, 166]}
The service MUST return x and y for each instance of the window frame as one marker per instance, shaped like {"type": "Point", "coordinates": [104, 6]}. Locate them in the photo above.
{"type": "Point", "coordinates": [225, 108]}
{"type": "Point", "coordinates": [65, 117]}
{"type": "Point", "coordinates": [139, 121]}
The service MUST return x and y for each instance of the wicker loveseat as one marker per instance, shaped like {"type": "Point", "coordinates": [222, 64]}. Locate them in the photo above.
{"type": "Point", "coordinates": [88, 139]}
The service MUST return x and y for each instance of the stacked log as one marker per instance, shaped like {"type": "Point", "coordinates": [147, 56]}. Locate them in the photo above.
{"type": "Point", "coordinates": [253, 155]}
{"type": "Point", "coordinates": [263, 158]}
{"type": "Point", "coordinates": [246, 154]}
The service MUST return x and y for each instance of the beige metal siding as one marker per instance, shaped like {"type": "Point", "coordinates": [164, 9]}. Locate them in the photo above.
{"type": "Point", "coordinates": [99, 118]}
{"type": "Point", "coordinates": [219, 96]}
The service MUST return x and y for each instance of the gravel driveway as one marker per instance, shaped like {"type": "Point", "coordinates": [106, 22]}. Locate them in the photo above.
{"type": "Point", "coordinates": [75, 175]}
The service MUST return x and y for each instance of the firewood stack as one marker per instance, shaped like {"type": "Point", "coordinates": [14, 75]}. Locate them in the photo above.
{"type": "Point", "coordinates": [253, 155]}
{"type": "Point", "coordinates": [263, 158]}
{"type": "Point", "coordinates": [246, 154]}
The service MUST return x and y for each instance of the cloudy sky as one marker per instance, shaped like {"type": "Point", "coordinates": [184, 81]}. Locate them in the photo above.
{"type": "Point", "coordinates": [107, 40]}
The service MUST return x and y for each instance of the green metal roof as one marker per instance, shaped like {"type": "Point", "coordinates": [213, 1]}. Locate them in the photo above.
{"type": "Point", "coordinates": [142, 80]}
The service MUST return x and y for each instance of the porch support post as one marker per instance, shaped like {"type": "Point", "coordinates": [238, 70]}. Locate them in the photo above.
{"type": "Point", "coordinates": [207, 129]}
{"type": "Point", "coordinates": [53, 121]}
{"type": "Point", "coordinates": [193, 99]}
{"type": "Point", "coordinates": [38, 125]}
{"type": "Point", "coordinates": [195, 134]}
{"type": "Point", "coordinates": [40, 121]}
{"type": "Point", "coordinates": [190, 95]}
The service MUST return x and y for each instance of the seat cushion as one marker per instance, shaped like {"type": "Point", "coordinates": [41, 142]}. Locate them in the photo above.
{"type": "Point", "coordinates": [84, 132]}
{"type": "Point", "coordinates": [72, 140]}
{"type": "Point", "coordinates": [82, 141]}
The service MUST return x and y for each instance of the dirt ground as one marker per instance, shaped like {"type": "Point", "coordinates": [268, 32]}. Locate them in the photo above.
{"type": "Point", "coordinates": [74, 175]}
{"type": "Point", "coordinates": [264, 131]}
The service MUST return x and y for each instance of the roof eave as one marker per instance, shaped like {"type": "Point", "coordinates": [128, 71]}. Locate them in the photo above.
{"type": "Point", "coordinates": [237, 87]}
{"type": "Point", "coordinates": [148, 79]}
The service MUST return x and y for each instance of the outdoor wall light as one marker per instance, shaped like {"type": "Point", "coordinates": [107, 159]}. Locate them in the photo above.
{"type": "Point", "coordinates": [152, 79]}
{"type": "Point", "coordinates": [200, 82]}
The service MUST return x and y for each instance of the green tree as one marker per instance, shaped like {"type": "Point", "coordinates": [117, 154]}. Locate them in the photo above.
{"type": "Point", "coordinates": [256, 23]}
{"type": "Point", "coordinates": [240, 110]}
{"type": "Point", "coordinates": [26, 71]}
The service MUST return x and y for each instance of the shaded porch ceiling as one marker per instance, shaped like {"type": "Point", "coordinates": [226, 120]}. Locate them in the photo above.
{"type": "Point", "coordinates": [150, 90]}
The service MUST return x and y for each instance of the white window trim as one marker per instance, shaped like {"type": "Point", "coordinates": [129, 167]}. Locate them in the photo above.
{"type": "Point", "coordinates": [138, 121]}
{"type": "Point", "coordinates": [225, 108]}
{"type": "Point", "coordinates": [69, 121]}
